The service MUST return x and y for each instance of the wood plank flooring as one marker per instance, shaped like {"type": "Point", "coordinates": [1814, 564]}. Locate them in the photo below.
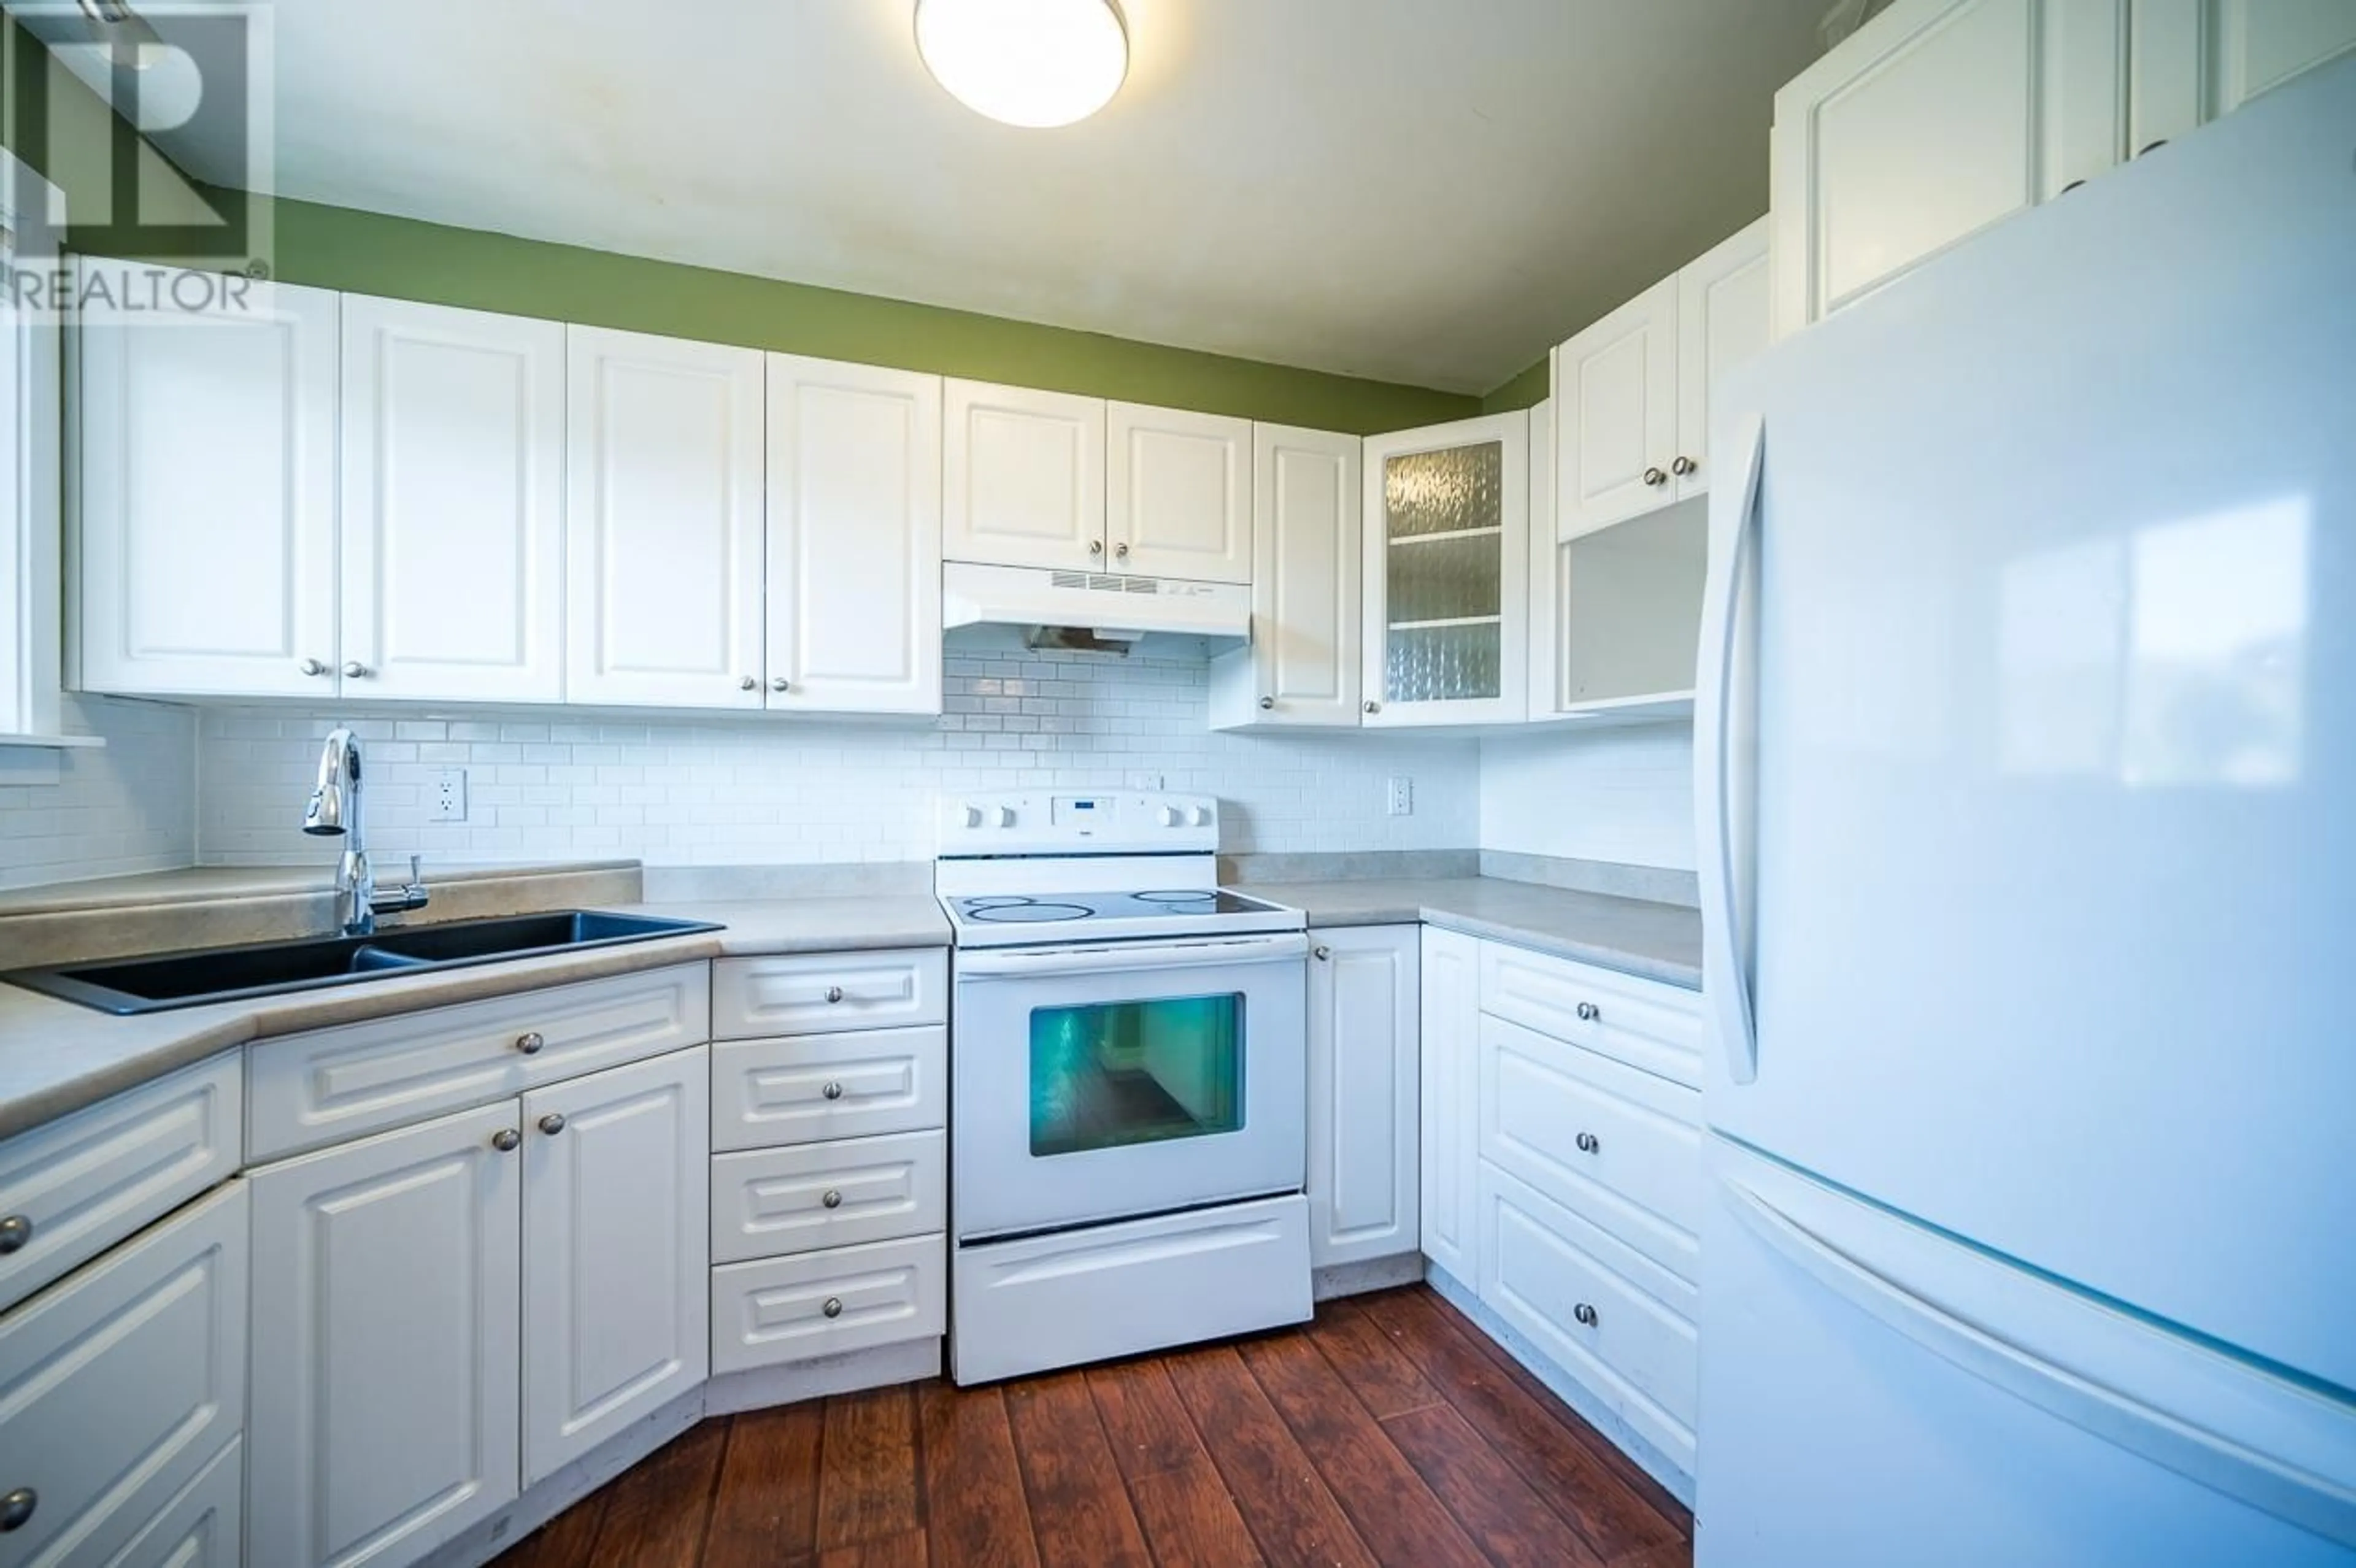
{"type": "Point", "coordinates": [1388, 1431]}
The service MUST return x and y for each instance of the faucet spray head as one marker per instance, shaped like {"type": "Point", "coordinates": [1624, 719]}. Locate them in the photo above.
{"type": "Point", "coordinates": [339, 766]}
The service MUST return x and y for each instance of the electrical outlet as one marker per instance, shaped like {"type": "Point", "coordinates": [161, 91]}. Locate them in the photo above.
{"type": "Point", "coordinates": [1402, 796]}
{"type": "Point", "coordinates": [446, 801]}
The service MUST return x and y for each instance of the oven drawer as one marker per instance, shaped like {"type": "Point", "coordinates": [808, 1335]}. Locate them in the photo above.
{"type": "Point", "coordinates": [815, 1088]}
{"type": "Point", "coordinates": [805, 993]}
{"type": "Point", "coordinates": [804, 1198]}
{"type": "Point", "coordinates": [1643, 1023]}
{"type": "Point", "coordinates": [823, 1303]}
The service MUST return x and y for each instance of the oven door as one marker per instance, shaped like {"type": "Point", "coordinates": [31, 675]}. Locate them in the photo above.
{"type": "Point", "coordinates": [1133, 1078]}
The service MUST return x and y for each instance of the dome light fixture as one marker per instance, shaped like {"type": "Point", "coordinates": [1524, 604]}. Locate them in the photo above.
{"type": "Point", "coordinates": [1034, 63]}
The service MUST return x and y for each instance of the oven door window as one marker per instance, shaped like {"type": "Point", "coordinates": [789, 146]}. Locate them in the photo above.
{"type": "Point", "coordinates": [1113, 1073]}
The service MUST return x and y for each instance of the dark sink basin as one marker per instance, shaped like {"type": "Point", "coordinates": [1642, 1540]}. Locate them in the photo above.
{"type": "Point", "coordinates": [271, 968]}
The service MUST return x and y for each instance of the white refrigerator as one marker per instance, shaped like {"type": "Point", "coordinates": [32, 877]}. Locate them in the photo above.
{"type": "Point", "coordinates": [2026, 777]}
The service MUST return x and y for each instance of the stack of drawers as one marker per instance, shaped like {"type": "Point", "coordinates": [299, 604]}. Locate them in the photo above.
{"type": "Point", "coordinates": [1590, 1185]}
{"type": "Point", "coordinates": [830, 1164]}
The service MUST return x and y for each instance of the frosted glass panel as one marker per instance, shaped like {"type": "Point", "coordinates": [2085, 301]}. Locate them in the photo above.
{"type": "Point", "coordinates": [1444, 492]}
{"type": "Point", "coordinates": [1443, 580]}
{"type": "Point", "coordinates": [1441, 664]}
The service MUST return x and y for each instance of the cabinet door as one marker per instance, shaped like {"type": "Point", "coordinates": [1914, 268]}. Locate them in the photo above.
{"type": "Point", "coordinates": [1178, 492]}
{"type": "Point", "coordinates": [1617, 418]}
{"type": "Point", "coordinates": [1722, 320]}
{"type": "Point", "coordinates": [854, 539]}
{"type": "Point", "coordinates": [386, 1314]}
{"type": "Point", "coordinates": [1301, 667]}
{"type": "Point", "coordinates": [453, 516]}
{"type": "Point", "coordinates": [2261, 44]}
{"type": "Point", "coordinates": [617, 1259]}
{"type": "Point", "coordinates": [207, 483]}
{"type": "Point", "coordinates": [1450, 981]}
{"type": "Point", "coordinates": [1363, 1067]}
{"type": "Point", "coordinates": [1023, 476]}
{"type": "Point", "coordinates": [662, 521]}
{"type": "Point", "coordinates": [120, 1384]}
{"type": "Point", "coordinates": [1447, 603]}
{"type": "Point", "coordinates": [1917, 130]}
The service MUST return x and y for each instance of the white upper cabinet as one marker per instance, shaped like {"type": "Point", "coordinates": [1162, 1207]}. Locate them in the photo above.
{"type": "Point", "coordinates": [2262, 44]}
{"type": "Point", "coordinates": [1023, 476]}
{"type": "Point", "coordinates": [1301, 667]}
{"type": "Point", "coordinates": [1723, 312]}
{"type": "Point", "coordinates": [617, 1252]}
{"type": "Point", "coordinates": [1178, 494]}
{"type": "Point", "coordinates": [662, 521]}
{"type": "Point", "coordinates": [207, 501]}
{"type": "Point", "coordinates": [453, 513]}
{"type": "Point", "coordinates": [854, 531]}
{"type": "Point", "coordinates": [1447, 561]}
{"type": "Point", "coordinates": [1615, 393]}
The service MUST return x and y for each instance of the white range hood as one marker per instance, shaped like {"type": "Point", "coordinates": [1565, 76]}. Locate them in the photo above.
{"type": "Point", "coordinates": [1108, 606]}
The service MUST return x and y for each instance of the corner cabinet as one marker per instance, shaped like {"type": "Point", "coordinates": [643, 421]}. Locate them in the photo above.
{"type": "Point", "coordinates": [1449, 1113]}
{"type": "Point", "coordinates": [1364, 1013]}
{"type": "Point", "coordinates": [1445, 588]}
{"type": "Point", "coordinates": [1301, 667]}
{"type": "Point", "coordinates": [204, 478]}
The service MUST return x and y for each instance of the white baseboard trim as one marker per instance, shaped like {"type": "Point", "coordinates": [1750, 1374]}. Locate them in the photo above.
{"type": "Point", "coordinates": [881, 1366]}
{"type": "Point", "coordinates": [1566, 1387]}
{"type": "Point", "coordinates": [1356, 1279]}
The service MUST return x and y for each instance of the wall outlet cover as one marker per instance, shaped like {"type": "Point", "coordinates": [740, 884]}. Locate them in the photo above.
{"type": "Point", "coordinates": [1402, 796]}
{"type": "Point", "coordinates": [447, 800]}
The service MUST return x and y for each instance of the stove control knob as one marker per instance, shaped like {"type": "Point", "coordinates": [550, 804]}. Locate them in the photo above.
{"type": "Point", "coordinates": [973, 816]}
{"type": "Point", "coordinates": [1006, 816]}
{"type": "Point", "coordinates": [1171, 816]}
{"type": "Point", "coordinates": [1201, 816]}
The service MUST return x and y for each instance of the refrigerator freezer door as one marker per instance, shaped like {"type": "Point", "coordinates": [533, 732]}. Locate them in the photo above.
{"type": "Point", "coordinates": [2055, 863]}
{"type": "Point", "coordinates": [1877, 1393]}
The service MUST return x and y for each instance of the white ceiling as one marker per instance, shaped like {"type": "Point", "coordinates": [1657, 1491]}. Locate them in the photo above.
{"type": "Point", "coordinates": [1429, 191]}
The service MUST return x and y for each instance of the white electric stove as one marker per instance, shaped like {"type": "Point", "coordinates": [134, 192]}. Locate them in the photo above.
{"type": "Point", "coordinates": [1129, 1083]}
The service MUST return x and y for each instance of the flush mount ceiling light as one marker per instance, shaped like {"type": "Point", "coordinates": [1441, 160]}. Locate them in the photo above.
{"type": "Point", "coordinates": [1034, 63]}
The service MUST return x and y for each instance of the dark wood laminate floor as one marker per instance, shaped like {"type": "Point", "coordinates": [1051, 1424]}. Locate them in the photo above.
{"type": "Point", "coordinates": [1388, 1431]}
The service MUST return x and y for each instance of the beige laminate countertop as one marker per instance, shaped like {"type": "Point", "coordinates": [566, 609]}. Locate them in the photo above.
{"type": "Point", "coordinates": [57, 1056]}
{"type": "Point", "coordinates": [1656, 941]}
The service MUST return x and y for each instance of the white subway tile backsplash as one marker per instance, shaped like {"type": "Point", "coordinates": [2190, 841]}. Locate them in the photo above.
{"type": "Point", "coordinates": [124, 807]}
{"type": "Point", "coordinates": [1622, 794]}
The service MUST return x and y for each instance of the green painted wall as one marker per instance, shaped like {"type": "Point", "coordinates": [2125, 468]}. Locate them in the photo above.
{"type": "Point", "coordinates": [1525, 390]}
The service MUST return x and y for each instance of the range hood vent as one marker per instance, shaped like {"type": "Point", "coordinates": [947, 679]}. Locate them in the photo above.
{"type": "Point", "coordinates": [1090, 609]}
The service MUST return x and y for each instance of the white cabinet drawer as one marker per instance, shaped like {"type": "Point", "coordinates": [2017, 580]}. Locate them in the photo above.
{"type": "Point", "coordinates": [804, 993]}
{"type": "Point", "coordinates": [79, 1185]}
{"type": "Point", "coordinates": [1641, 1022]}
{"type": "Point", "coordinates": [775, 1202]}
{"type": "Point", "coordinates": [308, 1090]}
{"type": "Point", "coordinates": [823, 1303]}
{"type": "Point", "coordinates": [203, 1526]}
{"type": "Point", "coordinates": [818, 1087]}
{"type": "Point", "coordinates": [119, 1386]}
{"type": "Point", "coordinates": [1622, 1146]}
{"type": "Point", "coordinates": [1620, 1325]}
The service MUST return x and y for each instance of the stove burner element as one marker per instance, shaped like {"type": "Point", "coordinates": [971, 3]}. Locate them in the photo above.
{"type": "Point", "coordinates": [1176, 898]}
{"type": "Point", "coordinates": [1023, 909]}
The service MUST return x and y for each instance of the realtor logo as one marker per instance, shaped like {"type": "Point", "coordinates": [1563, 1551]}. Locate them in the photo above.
{"type": "Point", "coordinates": [152, 118]}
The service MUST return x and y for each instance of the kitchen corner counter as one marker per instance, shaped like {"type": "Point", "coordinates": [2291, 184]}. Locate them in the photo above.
{"type": "Point", "coordinates": [1653, 941]}
{"type": "Point", "coordinates": [57, 1057]}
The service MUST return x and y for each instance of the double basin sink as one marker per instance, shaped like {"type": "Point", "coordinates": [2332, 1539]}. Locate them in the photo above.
{"type": "Point", "coordinates": [273, 968]}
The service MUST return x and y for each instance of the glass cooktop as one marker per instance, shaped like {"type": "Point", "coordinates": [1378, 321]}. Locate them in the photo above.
{"type": "Point", "coordinates": [1177, 904]}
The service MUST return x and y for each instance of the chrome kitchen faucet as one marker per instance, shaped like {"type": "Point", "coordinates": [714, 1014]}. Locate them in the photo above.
{"type": "Point", "coordinates": [334, 812]}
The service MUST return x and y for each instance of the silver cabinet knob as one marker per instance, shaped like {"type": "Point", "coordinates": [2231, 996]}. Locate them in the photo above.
{"type": "Point", "coordinates": [748, 684]}
{"type": "Point", "coordinates": [832, 1197]}
{"type": "Point", "coordinates": [1266, 703]}
{"type": "Point", "coordinates": [834, 1308]}
{"type": "Point", "coordinates": [834, 993]}
{"type": "Point", "coordinates": [16, 1508]}
{"type": "Point", "coordinates": [552, 1123]}
{"type": "Point", "coordinates": [14, 1231]}
{"type": "Point", "coordinates": [1323, 953]}
{"type": "Point", "coordinates": [1095, 547]}
{"type": "Point", "coordinates": [1656, 477]}
{"type": "Point", "coordinates": [505, 1139]}
{"type": "Point", "coordinates": [355, 670]}
{"type": "Point", "coordinates": [832, 1090]}
{"type": "Point", "coordinates": [1584, 1313]}
{"type": "Point", "coordinates": [312, 667]}
{"type": "Point", "coordinates": [1373, 708]}
{"type": "Point", "coordinates": [1588, 1143]}
{"type": "Point", "coordinates": [530, 1044]}
{"type": "Point", "coordinates": [1589, 1012]}
{"type": "Point", "coordinates": [781, 684]}
{"type": "Point", "coordinates": [1122, 550]}
{"type": "Point", "coordinates": [1682, 466]}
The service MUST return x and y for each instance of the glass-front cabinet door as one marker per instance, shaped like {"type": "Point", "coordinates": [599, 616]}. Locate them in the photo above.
{"type": "Point", "coordinates": [1447, 584]}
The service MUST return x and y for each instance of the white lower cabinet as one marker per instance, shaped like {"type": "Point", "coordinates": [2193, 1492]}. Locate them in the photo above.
{"type": "Point", "coordinates": [616, 1285]}
{"type": "Point", "coordinates": [823, 1303]}
{"type": "Point", "coordinates": [203, 1526]}
{"type": "Point", "coordinates": [1363, 1067]}
{"type": "Point", "coordinates": [123, 1386]}
{"type": "Point", "coordinates": [1451, 985]}
{"type": "Point", "coordinates": [387, 1317]}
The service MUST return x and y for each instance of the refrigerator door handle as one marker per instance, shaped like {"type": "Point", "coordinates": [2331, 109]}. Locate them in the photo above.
{"type": "Point", "coordinates": [2234, 1425]}
{"type": "Point", "coordinates": [1725, 687]}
